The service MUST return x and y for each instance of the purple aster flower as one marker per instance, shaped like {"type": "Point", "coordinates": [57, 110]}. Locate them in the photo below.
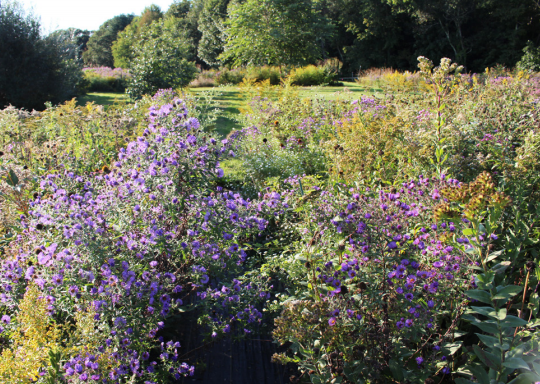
{"type": "Point", "coordinates": [419, 360]}
{"type": "Point", "coordinates": [438, 264]}
{"type": "Point", "coordinates": [392, 245]}
{"type": "Point", "coordinates": [332, 321]}
{"type": "Point", "coordinates": [409, 296]}
{"type": "Point", "coordinates": [73, 290]}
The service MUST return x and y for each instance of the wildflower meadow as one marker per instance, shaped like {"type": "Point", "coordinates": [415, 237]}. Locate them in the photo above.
{"type": "Point", "coordinates": [388, 238]}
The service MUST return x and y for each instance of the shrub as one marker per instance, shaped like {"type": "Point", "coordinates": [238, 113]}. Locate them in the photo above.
{"type": "Point", "coordinates": [530, 61]}
{"type": "Point", "coordinates": [226, 76]}
{"type": "Point", "coordinates": [312, 75]}
{"type": "Point", "coordinates": [258, 74]}
{"type": "Point", "coordinates": [139, 276]}
{"type": "Point", "coordinates": [162, 59]}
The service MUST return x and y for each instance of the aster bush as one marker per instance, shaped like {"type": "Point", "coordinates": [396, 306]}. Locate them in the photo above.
{"type": "Point", "coordinates": [118, 243]}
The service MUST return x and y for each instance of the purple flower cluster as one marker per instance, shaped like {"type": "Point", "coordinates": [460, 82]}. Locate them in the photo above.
{"type": "Point", "coordinates": [113, 242]}
{"type": "Point", "coordinates": [385, 240]}
{"type": "Point", "coordinates": [117, 73]}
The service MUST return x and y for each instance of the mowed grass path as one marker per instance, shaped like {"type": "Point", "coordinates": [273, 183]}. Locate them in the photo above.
{"type": "Point", "coordinates": [102, 98]}
{"type": "Point", "coordinates": [231, 100]}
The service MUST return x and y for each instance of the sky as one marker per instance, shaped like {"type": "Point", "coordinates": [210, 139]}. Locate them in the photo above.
{"type": "Point", "coordinates": [85, 14]}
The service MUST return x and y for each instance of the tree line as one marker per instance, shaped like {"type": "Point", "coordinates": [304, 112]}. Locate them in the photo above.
{"type": "Point", "coordinates": [360, 33]}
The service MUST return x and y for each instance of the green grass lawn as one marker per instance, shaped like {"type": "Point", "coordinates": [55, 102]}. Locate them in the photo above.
{"type": "Point", "coordinates": [231, 101]}
{"type": "Point", "coordinates": [103, 98]}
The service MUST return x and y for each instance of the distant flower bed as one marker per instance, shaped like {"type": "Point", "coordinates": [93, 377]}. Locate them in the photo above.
{"type": "Point", "coordinates": [105, 79]}
{"type": "Point", "coordinates": [117, 73]}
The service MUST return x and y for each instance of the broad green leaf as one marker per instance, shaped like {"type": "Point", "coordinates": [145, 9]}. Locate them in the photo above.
{"type": "Point", "coordinates": [486, 325]}
{"type": "Point", "coordinates": [516, 363]}
{"type": "Point", "coordinates": [508, 292]}
{"type": "Point", "coordinates": [494, 255]}
{"type": "Point", "coordinates": [486, 278]}
{"type": "Point", "coordinates": [469, 232]}
{"type": "Point", "coordinates": [486, 311]}
{"type": "Point", "coordinates": [480, 374]}
{"type": "Point", "coordinates": [501, 314]}
{"type": "Point", "coordinates": [489, 359]}
{"type": "Point", "coordinates": [397, 372]}
{"type": "Point", "coordinates": [513, 322]}
{"type": "Point", "coordinates": [526, 378]}
{"type": "Point", "coordinates": [501, 267]}
{"type": "Point", "coordinates": [452, 348]}
{"type": "Point", "coordinates": [12, 178]}
{"type": "Point", "coordinates": [479, 295]}
{"type": "Point", "coordinates": [490, 341]}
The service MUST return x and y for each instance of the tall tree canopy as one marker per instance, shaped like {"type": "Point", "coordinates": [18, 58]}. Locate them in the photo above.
{"type": "Point", "coordinates": [179, 16]}
{"type": "Point", "coordinates": [34, 69]}
{"type": "Point", "coordinates": [211, 27]}
{"type": "Point", "coordinates": [99, 45]}
{"type": "Point", "coordinates": [274, 32]}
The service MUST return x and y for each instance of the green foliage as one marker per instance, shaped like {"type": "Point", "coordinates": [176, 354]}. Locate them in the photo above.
{"type": "Point", "coordinates": [530, 61]}
{"type": "Point", "coordinates": [121, 49]}
{"type": "Point", "coordinates": [161, 60]}
{"type": "Point", "coordinates": [274, 32]}
{"type": "Point", "coordinates": [99, 52]}
{"type": "Point", "coordinates": [314, 75]}
{"type": "Point", "coordinates": [76, 39]}
{"type": "Point", "coordinates": [178, 17]}
{"type": "Point", "coordinates": [34, 69]}
{"type": "Point", "coordinates": [211, 26]}
{"type": "Point", "coordinates": [97, 83]}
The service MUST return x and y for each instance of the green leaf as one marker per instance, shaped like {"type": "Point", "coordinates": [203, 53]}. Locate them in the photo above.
{"type": "Point", "coordinates": [486, 311]}
{"type": "Point", "coordinates": [397, 372]}
{"type": "Point", "coordinates": [513, 322]}
{"type": "Point", "coordinates": [486, 278]}
{"type": "Point", "coordinates": [501, 267]}
{"type": "Point", "coordinates": [489, 359]}
{"type": "Point", "coordinates": [479, 295]}
{"type": "Point", "coordinates": [490, 341]}
{"type": "Point", "coordinates": [494, 255]}
{"type": "Point", "coordinates": [501, 314]}
{"type": "Point", "coordinates": [480, 374]}
{"type": "Point", "coordinates": [516, 363]}
{"type": "Point", "coordinates": [452, 348]}
{"type": "Point", "coordinates": [507, 292]}
{"type": "Point", "coordinates": [488, 328]}
{"type": "Point", "coordinates": [526, 378]}
{"type": "Point", "coordinates": [12, 178]}
{"type": "Point", "coordinates": [469, 232]}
